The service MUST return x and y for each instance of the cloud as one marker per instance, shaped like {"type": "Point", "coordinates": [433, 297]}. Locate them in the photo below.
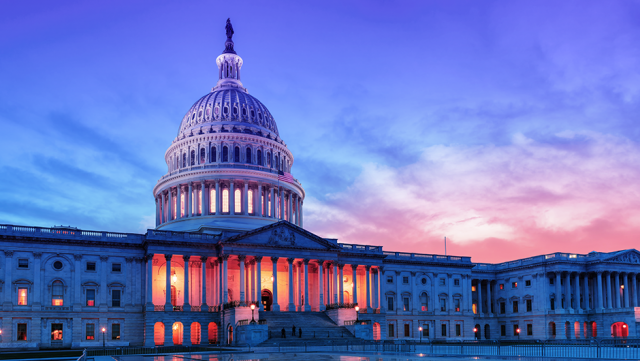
{"type": "Point", "coordinates": [571, 192]}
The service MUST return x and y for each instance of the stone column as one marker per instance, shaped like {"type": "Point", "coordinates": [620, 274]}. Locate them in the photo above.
{"type": "Point", "coordinates": [558, 300]}
{"type": "Point", "coordinates": [281, 200]}
{"type": "Point", "coordinates": [189, 208]}
{"type": "Point", "coordinates": [635, 290]}
{"type": "Point", "coordinates": [354, 271]}
{"type": "Point", "coordinates": [162, 208]}
{"type": "Point", "coordinates": [203, 196]}
{"type": "Point", "coordinates": [307, 306]}
{"type": "Point", "coordinates": [335, 285]}
{"type": "Point", "coordinates": [480, 303]}
{"type": "Point", "coordinates": [232, 198]}
{"type": "Point", "coordinates": [170, 207]}
{"type": "Point", "coordinates": [274, 261]}
{"type": "Point", "coordinates": [301, 215]}
{"type": "Point", "coordinates": [567, 291]}
{"type": "Point", "coordinates": [167, 304]}
{"type": "Point", "coordinates": [610, 303]}
{"type": "Point", "coordinates": [272, 205]}
{"type": "Point", "coordinates": [625, 289]}
{"type": "Point", "coordinates": [203, 305]}
{"type": "Point", "coordinates": [241, 259]}
{"type": "Point", "coordinates": [321, 286]}
{"type": "Point", "coordinates": [37, 283]}
{"type": "Point", "coordinates": [368, 276]}
{"type": "Point", "coordinates": [218, 197]}
{"type": "Point", "coordinates": [254, 296]}
{"type": "Point", "coordinates": [617, 290]}
{"type": "Point", "coordinates": [186, 305]}
{"type": "Point", "coordinates": [179, 201]}
{"type": "Point", "coordinates": [149, 260]}
{"type": "Point", "coordinates": [260, 207]}
{"type": "Point", "coordinates": [259, 279]}
{"type": "Point", "coordinates": [291, 307]}
{"type": "Point", "coordinates": [600, 304]}
{"type": "Point", "coordinates": [576, 284]}
{"type": "Point", "coordinates": [341, 283]}
{"type": "Point", "coordinates": [299, 297]}
{"type": "Point", "coordinates": [225, 279]}
{"type": "Point", "coordinates": [290, 210]}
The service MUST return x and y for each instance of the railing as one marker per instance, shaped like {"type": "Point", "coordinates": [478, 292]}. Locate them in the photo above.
{"type": "Point", "coordinates": [158, 307]}
{"type": "Point", "coordinates": [361, 248]}
{"type": "Point", "coordinates": [357, 322]}
{"type": "Point", "coordinates": [262, 322]}
{"type": "Point", "coordinates": [426, 257]}
{"type": "Point", "coordinates": [147, 350]}
{"type": "Point", "coordinates": [178, 308]}
{"type": "Point", "coordinates": [83, 357]}
{"type": "Point", "coordinates": [234, 304]}
{"type": "Point", "coordinates": [243, 322]}
{"type": "Point", "coordinates": [214, 308]}
{"type": "Point", "coordinates": [71, 232]}
{"type": "Point", "coordinates": [333, 306]}
{"type": "Point", "coordinates": [233, 165]}
{"type": "Point", "coordinates": [196, 309]}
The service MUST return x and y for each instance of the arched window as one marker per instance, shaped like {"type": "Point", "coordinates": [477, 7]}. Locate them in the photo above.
{"type": "Point", "coordinates": [269, 206]}
{"type": "Point", "coordinates": [259, 156]}
{"type": "Point", "coordinates": [202, 156]}
{"type": "Point", "coordinates": [238, 201]}
{"type": "Point", "coordinates": [57, 293]}
{"type": "Point", "coordinates": [250, 201]}
{"type": "Point", "coordinates": [247, 157]}
{"type": "Point", "coordinates": [184, 160]}
{"type": "Point", "coordinates": [193, 157]}
{"type": "Point", "coordinates": [269, 160]}
{"type": "Point", "coordinates": [236, 155]}
{"type": "Point", "coordinates": [423, 302]}
{"type": "Point", "coordinates": [213, 157]}
{"type": "Point", "coordinates": [225, 154]}
{"type": "Point", "coordinates": [212, 201]}
{"type": "Point", "coordinates": [277, 163]}
{"type": "Point", "coordinates": [225, 201]}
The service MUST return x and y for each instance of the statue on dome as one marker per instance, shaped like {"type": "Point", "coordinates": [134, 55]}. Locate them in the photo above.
{"type": "Point", "coordinates": [229, 29]}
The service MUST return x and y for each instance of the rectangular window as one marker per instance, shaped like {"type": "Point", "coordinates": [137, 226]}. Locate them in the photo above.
{"type": "Point", "coordinates": [456, 304]}
{"type": "Point", "coordinates": [529, 329]}
{"type": "Point", "coordinates": [407, 330]}
{"type": "Point", "coordinates": [473, 288]}
{"type": "Point", "coordinates": [212, 201]}
{"type": "Point", "coordinates": [502, 307]}
{"type": "Point", "coordinates": [456, 282]}
{"type": "Point", "coordinates": [529, 306]}
{"type": "Point", "coordinates": [390, 303]}
{"type": "Point", "coordinates": [425, 330]}
{"type": "Point", "coordinates": [516, 330]}
{"type": "Point", "coordinates": [23, 263]}
{"type": "Point", "coordinates": [550, 280]}
{"type": "Point", "coordinates": [91, 297]}
{"type": "Point", "coordinates": [502, 286]}
{"type": "Point", "coordinates": [90, 331]}
{"type": "Point", "coordinates": [250, 201]}
{"type": "Point", "coordinates": [458, 331]}
{"type": "Point", "coordinates": [443, 304]}
{"type": "Point", "coordinates": [443, 330]}
{"type": "Point", "coordinates": [503, 330]}
{"type": "Point", "coordinates": [56, 332]}
{"type": "Point", "coordinates": [553, 304]}
{"type": "Point", "coordinates": [442, 282]}
{"type": "Point", "coordinates": [527, 283]}
{"type": "Point", "coordinates": [515, 306]}
{"type": "Point", "coordinates": [22, 296]}
{"type": "Point", "coordinates": [115, 298]}
{"type": "Point", "coordinates": [391, 334]}
{"type": "Point", "coordinates": [474, 308]}
{"type": "Point", "coordinates": [389, 279]}
{"type": "Point", "coordinates": [405, 280]}
{"type": "Point", "coordinates": [22, 332]}
{"type": "Point", "coordinates": [405, 302]}
{"type": "Point", "coordinates": [514, 284]}
{"type": "Point", "coordinates": [91, 266]}
{"type": "Point", "coordinates": [116, 267]}
{"type": "Point", "coordinates": [115, 331]}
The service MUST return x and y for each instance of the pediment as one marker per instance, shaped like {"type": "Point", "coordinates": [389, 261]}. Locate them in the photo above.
{"type": "Point", "coordinates": [630, 256]}
{"type": "Point", "coordinates": [282, 234]}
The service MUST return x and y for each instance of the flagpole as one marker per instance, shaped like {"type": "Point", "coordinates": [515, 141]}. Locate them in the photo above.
{"type": "Point", "coordinates": [445, 245]}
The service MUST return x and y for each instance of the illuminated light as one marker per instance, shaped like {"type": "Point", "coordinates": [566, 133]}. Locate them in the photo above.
{"type": "Point", "coordinates": [357, 308]}
{"type": "Point", "coordinates": [225, 200]}
{"type": "Point", "coordinates": [200, 203]}
{"type": "Point", "coordinates": [420, 328]}
{"type": "Point", "coordinates": [174, 279]}
{"type": "Point", "coordinates": [175, 326]}
{"type": "Point", "coordinates": [212, 201]}
{"type": "Point", "coordinates": [345, 280]}
{"type": "Point", "coordinates": [473, 288]}
{"type": "Point", "coordinates": [250, 201]}
{"type": "Point", "coordinates": [271, 278]}
{"type": "Point", "coordinates": [518, 330]}
{"type": "Point", "coordinates": [624, 326]}
{"type": "Point", "coordinates": [104, 329]}
{"type": "Point", "coordinates": [475, 329]}
{"type": "Point", "coordinates": [622, 286]}
{"type": "Point", "coordinates": [238, 201]}
{"type": "Point", "coordinates": [253, 307]}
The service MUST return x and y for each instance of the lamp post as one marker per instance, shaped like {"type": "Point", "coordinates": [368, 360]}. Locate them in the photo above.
{"type": "Point", "coordinates": [475, 333]}
{"type": "Point", "coordinates": [420, 330]}
{"type": "Point", "coordinates": [518, 332]}
{"type": "Point", "coordinates": [253, 307]}
{"type": "Point", "coordinates": [357, 311]}
{"type": "Point", "coordinates": [103, 342]}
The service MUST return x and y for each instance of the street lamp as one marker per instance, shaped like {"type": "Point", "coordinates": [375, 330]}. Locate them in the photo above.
{"type": "Point", "coordinates": [475, 333]}
{"type": "Point", "coordinates": [253, 307]}
{"type": "Point", "coordinates": [518, 332]}
{"type": "Point", "coordinates": [420, 330]}
{"type": "Point", "coordinates": [103, 333]}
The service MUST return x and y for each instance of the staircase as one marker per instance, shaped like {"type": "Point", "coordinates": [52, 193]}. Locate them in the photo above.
{"type": "Point", "coordinates": [315, 326]}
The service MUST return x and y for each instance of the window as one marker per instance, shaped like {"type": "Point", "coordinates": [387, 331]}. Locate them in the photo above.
{"type": "Point", "coordinates": [529, 305]}
{"type": "Point", "coordinates": [502, 286]}
{"type": "Point", "coordinates": [515, 329]}
{"type": "Point", "coordinates": [22, 296]}
{"type": "Point", "coordinates": [442, 282]}
{"type": "Point", "coordinates": [389, 279]}
{"type": "Point", "coordinates": [212, 201]}
{"type": "Point", "coordinates": [213, 156]}
{"type": "Point", "coordinates": [91, 297]}
{"type": "Point", "coordinates": [22, 332]}
{"type": "Point", "coordinates": [503, 330]}
{"type": "Point", "coordinates": [225, 154]}
{"type": "Point", "coordinates": [116, 267]}
{"type": "Point", "coordinates": [407, 330]}
{"type": "Point", "coordinates": [23, 263]}
{"type": "Point", "coordinates": [458, 331]}
{"type": "Point", "coordinates": [238, 201]}
{"type": "Point", "coordinates": [115, 298]}
{"type": "Point", "coordinates": [456, 304]}
{"type": "Point", "coordinates": [456, 282]}
{"type": "Point", "coordinates": [115, 331]}
{"type": "Point", "coordinates": [57, 291]}
{"type": "Point", "coordinates": [502, 308]}
{"type": "Point", "coordinates": [473, 288]}
{"type": "Point", "coordinates": [405, 280]}
{"type": "Point", "coordinates": [424, 281]}
{"type": "Point", "coordinates": [474, 308]}
{"type": "Point", "coordinates": [514, 284]}
{"type": "Point", "coordinates": [250, 201]}
{"type": "Point", "coordinates": [57, 265]}
{"type": "Point", "coordinates": [423, 302]}
{"type": "Point", "coordinates": [91, 266]}
{"type": "Point", "coordinates": [184, 160]}
{"type": "Point", "coordinates": [247, 157]}
{"type": "Point", "coordinates": [443, 304]}
{"type": "Point", "coordinates": [259, 156]}
{"type": "Point", "coordinates": [529, 329]}
{"type": "Point", "coordinates": [443, 329]}
{"type": "Point", "coordinates": [390, 303]}
{"type": "Point", "coordinates": [202, 156]}
{"type": "Point", "coordinates": [425, 330]}
{"type": "Point", "coordinates": [550, 280]}
{"type": "Point", "coordinates": [193, 157]}
{"type": "Point", "coordinates": [56, 332]}
{"type": "Point", "coordinates": [90, 331]}
{"type": "Point", "coordinates": [527, 283]}
{"type": "Point", "coordinates": [515, 306]}
{"type": "Point", "coordinates": [225, 201]}
{"type": "Point", "coordinates": [405, 303]}
{"type": "Point", "coordinates": [553, 304]}
{"type": "Point", "coordinates": [391, 330]}
{"type": "Point", "coordinates": [236, 154]}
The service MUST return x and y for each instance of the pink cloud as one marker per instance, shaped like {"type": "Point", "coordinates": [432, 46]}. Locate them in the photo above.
{"type": "Point", "coordinates": [577, 193]}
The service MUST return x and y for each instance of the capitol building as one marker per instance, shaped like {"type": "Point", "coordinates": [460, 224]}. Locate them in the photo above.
{"type": "Point", "coordinates": [230, 262]}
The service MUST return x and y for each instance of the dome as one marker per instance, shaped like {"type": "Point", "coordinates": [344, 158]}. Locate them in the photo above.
{"type": "Point", "coordinates": [227, 107]}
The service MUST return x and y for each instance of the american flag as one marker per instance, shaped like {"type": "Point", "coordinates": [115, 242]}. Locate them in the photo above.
{"type": "Point", "coordinates": [285, 177]}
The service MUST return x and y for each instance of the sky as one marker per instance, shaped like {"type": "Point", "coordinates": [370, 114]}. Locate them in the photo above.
{"type": "Point", "coordinates": [510, 127]}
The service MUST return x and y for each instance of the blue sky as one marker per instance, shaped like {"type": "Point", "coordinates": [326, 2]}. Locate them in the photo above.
{"type": "Point", "coordinates": [393, 111]}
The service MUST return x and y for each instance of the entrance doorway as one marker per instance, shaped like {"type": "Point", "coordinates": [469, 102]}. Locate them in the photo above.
{"type": "Point", "coordinates": [267, 299]}
{"type": "Point", "coordinates": [620, 329]}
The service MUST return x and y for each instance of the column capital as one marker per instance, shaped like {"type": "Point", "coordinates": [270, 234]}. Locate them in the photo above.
{"type": "Point", "coordinates": [306, 261]}
{"type": "Point", "coordinates": [168, 257]}
{"type": "Point", "coordinates": [104, 258]}
{"type": "Point", "coordinates": [354, 267]}
{"type": "Point", "coordinates": [128, 259]}
{"type": "Point", "coordinates": [258, 258]}
{"type": "Point", "coordinates": [340, 265]}
{"type": "Point", "coordinates": [186, 258]}
{"type": "Point", "coordinates": [138, 259]}
{"type": "Point", "coordinates": [204, 259]}
{"type": "Point", "coordinates": [241, 257]}
{"type": "Point", "coordinates": [224, 257]}
{"type": "Point", "coordinates": [148, 257]}
{"type": "Point", "coordinates": [367, 267]}
{"type": "Point", "coordinates": [599, 273]}
{"type": "Point", "coordinates": [8, 254]}
{"type": "Point", "coordinates": [77, 257]}
{"type": "Point", "coordinates": [275, 259]}
{"type": "Point", "coordinates": [252, 262]}
{"type": "Point", "coordinates": [290, 260]}
{"type": "Point", "coordinates": [320, 262]}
